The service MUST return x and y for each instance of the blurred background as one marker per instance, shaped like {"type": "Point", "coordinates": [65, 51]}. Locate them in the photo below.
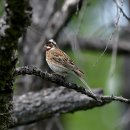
{"type": "Point", "coordinates": [97, 37]}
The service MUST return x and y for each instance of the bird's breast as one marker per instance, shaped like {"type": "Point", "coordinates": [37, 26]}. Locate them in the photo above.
{"type": "Point", "coordinates": [53, 64]}
{"type": "Point", "coordinates": [56, 67]}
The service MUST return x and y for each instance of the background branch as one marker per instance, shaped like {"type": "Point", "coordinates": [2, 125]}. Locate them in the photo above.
{"type": "Point", "coordinates": [59, 20]}
{"type": "Point", "coordinates": [65, 40]}
{"type": "Point", "coordinates": [122, 11]}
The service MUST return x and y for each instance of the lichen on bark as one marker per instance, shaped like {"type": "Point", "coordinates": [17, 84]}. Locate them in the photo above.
{"type": "Point", "coordinates": [17, 18]}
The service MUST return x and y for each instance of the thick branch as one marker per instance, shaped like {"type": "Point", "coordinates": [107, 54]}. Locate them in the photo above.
{"type": "Point", "coordinates": [35, 106]}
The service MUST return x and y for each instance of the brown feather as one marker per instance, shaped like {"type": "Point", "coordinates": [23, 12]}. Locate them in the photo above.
{"type": "Point", "coordinates": [57, 56]}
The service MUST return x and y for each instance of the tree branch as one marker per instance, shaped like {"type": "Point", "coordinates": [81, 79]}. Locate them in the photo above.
{"type": "Point", "coordinates": [124, 14]}
{"type": "Point", "coordinates": [94, 43]}
{"type": "Point", "coordinates": [54, 78]}
{"type": "Point", "coordinates": [59, 80]}
{"type": "Point", "coordinates": [34, 106]}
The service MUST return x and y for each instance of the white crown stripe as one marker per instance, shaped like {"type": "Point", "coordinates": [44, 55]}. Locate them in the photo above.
{"type": "Point", "coordinates": [51, 40]}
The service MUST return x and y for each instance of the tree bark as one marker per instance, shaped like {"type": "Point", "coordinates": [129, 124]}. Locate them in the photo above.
{"type": "Point", "coordinates": [12, 25]}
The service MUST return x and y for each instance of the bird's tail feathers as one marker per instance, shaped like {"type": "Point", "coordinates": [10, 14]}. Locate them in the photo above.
{"type": "Point", "coordinates": [85, 83]}
{"type": "Point", "coordinates": [78, 72]}
{"type": "Point", "coordinates": [89, 89]}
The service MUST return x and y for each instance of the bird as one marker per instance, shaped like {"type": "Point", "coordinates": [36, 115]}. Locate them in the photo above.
{"type": "Point", "coordinates": [60, 63]}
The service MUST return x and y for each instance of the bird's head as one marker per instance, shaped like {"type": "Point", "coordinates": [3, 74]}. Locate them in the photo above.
{"type": "Point", "coordinates": [51, 44]}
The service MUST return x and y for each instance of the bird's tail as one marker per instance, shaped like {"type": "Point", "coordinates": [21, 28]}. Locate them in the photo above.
{"type": "Point", "coordinates": [91, 94]}
{"type": "Point", "coordinates": [89, 89]}
{"type": "Point", "coordinates": [85, 83]}
{"type": "Point", "coordinates": [79, 74]}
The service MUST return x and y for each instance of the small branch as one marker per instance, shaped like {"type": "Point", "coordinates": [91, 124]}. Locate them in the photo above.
{"type": "Point", "coordinates": [59, 80]}
{"type": "Point", "coordinates": [124, 14]}
{"type": "Point", "coordinates": [115, 98]}
{"type": "Point", "coordinates": [54, 78]}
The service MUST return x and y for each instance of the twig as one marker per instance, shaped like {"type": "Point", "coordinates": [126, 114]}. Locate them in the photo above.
{"type": "Point", "coordinates": [124, 14]}
{"type": "Point", "coordinates": [116, 98]}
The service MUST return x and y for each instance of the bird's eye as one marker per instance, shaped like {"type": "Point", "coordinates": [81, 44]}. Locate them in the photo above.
{"type": "Point", "coordinates": [50, 45]}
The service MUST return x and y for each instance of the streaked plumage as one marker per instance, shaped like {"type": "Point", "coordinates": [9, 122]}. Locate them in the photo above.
{"type": "Point", "coordinates": [59, 61]}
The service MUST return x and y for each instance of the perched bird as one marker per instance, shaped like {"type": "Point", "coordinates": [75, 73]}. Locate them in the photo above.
{"type": "Point", "coordinates": [60, 62]}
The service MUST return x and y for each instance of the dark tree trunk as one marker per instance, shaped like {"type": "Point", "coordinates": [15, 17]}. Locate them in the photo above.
{"type": "Point", "coordinates": [126, 93]}
{"type": "Point", "coordinates": [10, 31]}
{"type": "Point", "coordinates": [126, 88]}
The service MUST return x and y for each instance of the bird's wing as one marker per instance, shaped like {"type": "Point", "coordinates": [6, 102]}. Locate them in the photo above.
{"type": "Point", "coordinates": [64, 59]}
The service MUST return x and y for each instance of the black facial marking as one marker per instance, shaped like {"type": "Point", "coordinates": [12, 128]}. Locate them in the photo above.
{"type": "Point", "coordinates": [50, 44]}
